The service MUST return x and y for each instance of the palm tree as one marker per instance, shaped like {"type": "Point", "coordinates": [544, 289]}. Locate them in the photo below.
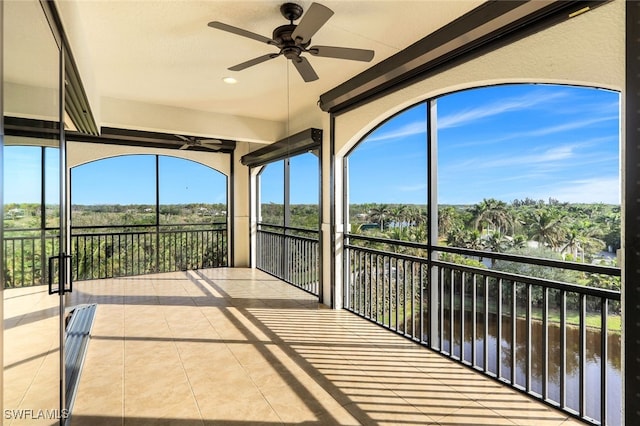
{"type": "Point", "coordinates": [399, 214]}
{"type": "Point", "coordinates": [492, 212]}
{"type": "Point", "coordinates": [545, 226]}
{"type": "Point", "coordinates": [582, 236]}
{"type": "Point", "coordinates": [416, 216]}
{"type": "Point", "coordinates": [495, 242]}
{"type": "Point", "coordinates": [448, 219]}
{"type": "Point", "coordinates": [455, 237]}
{"type": "Point", "coordinates": [518, 242]}
{"type": "Point", "coordinates": [473, 240]}
{"type": "Point", "coordinates": [379, 214]}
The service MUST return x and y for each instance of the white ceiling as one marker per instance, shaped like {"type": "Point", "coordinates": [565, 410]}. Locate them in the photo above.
{"type": "Point", "coordinates": [163, 52]}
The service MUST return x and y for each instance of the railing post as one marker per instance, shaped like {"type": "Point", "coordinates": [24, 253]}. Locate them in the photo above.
{"type": "Point", "coordinates": [43, 256]}
{"type": "Point", "coordinates": [432, 224]}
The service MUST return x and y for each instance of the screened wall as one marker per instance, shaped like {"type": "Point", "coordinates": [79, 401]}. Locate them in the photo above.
{"type": "Point", "coordinates": [431, 295]}
{"type": "Point", "coordinates": [287, 220]}
{"type": "Point", "coordinates": [139, 214]}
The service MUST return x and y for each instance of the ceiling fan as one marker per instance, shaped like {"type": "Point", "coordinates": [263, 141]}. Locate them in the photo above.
{"type": "Point", "coordinates": [192, 141]}
{"type": "Point", "coordinates": [294, 40]}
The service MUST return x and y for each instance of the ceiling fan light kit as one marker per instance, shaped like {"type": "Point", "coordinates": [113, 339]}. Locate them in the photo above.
{"type": "Point", "coordinates": [294, 40]}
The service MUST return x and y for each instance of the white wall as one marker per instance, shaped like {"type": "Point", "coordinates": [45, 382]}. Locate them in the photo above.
{"type": "Point", "coordinates": [168, 119]}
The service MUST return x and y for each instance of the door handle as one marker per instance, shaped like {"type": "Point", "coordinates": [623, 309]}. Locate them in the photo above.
{"type": "Point", "coordinates": [63, 262]}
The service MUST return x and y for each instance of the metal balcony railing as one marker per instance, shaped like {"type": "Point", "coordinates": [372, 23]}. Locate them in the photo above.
{"type": "Point", "coordinates": [26, 252]}
{"type": "Point", "coordinates": [290, 254]}
{"type": "Point", "coordinates": [558, 342]}
{"type": "Point", "coordinates": [116, 251]}
{"type": "Point", "coordinates": [105, 253]}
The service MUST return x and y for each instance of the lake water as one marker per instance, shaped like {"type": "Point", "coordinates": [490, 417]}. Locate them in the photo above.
{"type": "Point", "coordinates": [592, 362]}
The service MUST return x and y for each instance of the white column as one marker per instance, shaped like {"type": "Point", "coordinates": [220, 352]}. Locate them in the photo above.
{"type": "Point", "coordinates": [240, 197]}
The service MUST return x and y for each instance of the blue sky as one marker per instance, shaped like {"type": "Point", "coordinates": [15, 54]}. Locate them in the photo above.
{"type": "Point", "coordinates": [504, 142]}
{"type": "Point", "coordinates": [119, 180]}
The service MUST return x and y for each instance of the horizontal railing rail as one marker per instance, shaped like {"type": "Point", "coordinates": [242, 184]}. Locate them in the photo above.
{"type": "Point", "coordinates": [561, 264]}
{"type": "Point", "coordinates": [551, 339]}
{"type": "Point", "coordinates": [151, 226]}
{"type": "Point", "coordinates": [285, 254]}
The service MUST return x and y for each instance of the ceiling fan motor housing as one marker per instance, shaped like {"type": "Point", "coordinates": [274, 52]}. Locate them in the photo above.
{"type": "Point", "coordinates": [291, 11]}
{"type": "Point", "coordinates": [288, 46]}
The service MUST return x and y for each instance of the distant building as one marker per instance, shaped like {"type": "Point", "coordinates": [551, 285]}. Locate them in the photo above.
{"type": "Point", "coordinates": [15, 213]}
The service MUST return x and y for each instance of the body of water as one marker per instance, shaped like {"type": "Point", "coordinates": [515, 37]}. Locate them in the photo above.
{"type": "Point", "coordinates": [593, 360]}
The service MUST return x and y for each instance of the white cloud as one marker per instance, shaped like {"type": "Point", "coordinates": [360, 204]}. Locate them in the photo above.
{"type": "Point", "coordinates": [555, 154]}
{"type": "Point", "coordinates": [604, 189]}
{"type": "Point", "coordinates": [563, 127]}
{"type": "Point", "coordinates": [409, 129]}
{"type": "Point", "coordinates": [412, 188]}
{"type": "Point", "coordinates": [545, 131]}
{"type": "Point", "coordinates": [504, 105]}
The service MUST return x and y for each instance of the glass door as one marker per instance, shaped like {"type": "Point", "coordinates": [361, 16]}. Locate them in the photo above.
{"type": "Point", "coordinates": [33, 187]}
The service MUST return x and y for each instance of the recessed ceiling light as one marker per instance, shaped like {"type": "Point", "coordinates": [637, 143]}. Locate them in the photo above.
{"type": "Point", "coordinates": [230, 80]}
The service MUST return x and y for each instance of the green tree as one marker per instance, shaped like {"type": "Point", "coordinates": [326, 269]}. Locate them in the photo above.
{"type": "Point", "coordinates": [492, 213]}
{"type": "Point", "coordinates": [497, 243]}
{"type": "Point", "coordinates": [379, 214]}
{"type": "Point", "coordinates": [581, 239]}
{"type": "Point", "coordinates": [545, 226]}
{"type": "Point", "coordinates": [448, 220]}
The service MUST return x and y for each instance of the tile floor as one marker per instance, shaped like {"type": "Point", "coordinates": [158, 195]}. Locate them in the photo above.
{"type": "Point", "coordinates": [238, 347]}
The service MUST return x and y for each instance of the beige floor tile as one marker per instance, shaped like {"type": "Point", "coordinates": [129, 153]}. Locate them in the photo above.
{"type": "Point", "coordinates": [224, 346]}
{"type": "Point", "coordinates": [472, 414]}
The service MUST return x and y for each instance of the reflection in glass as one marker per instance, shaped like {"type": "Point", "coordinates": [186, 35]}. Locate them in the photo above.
{"type": "Point", "coordinates": [32, 318]}
{"type": "Point", "coordinates": [52, 187]}
{"type": "Point", "coordinates": [22, 186]}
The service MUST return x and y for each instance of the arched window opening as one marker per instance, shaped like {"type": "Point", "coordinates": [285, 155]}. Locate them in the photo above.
{"type": "Point", "coordinates": [485, 223]}
{"type": "Point", "coordinates": [142, 214]}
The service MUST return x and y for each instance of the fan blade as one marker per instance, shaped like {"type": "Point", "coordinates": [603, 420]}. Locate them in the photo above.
{"type": "Point", "coordinates": [241, 32]}
{"type": "Point", "coordinates": [212, 147]}
{"type": "Point", "coordinates": [184, 138]}
{"type": "Point", "coordinates": [305, 69]}
{"type": "Point", "coordinates": [342, 53]}
{"type": "Point", "coordinates": [185, 146]}
{"type": "Point", "coordinates": [212, 144]}
{"type": "Point", "coordinates": [254, 61]}
{"type": "Point", "coordinates": [316, 17]}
